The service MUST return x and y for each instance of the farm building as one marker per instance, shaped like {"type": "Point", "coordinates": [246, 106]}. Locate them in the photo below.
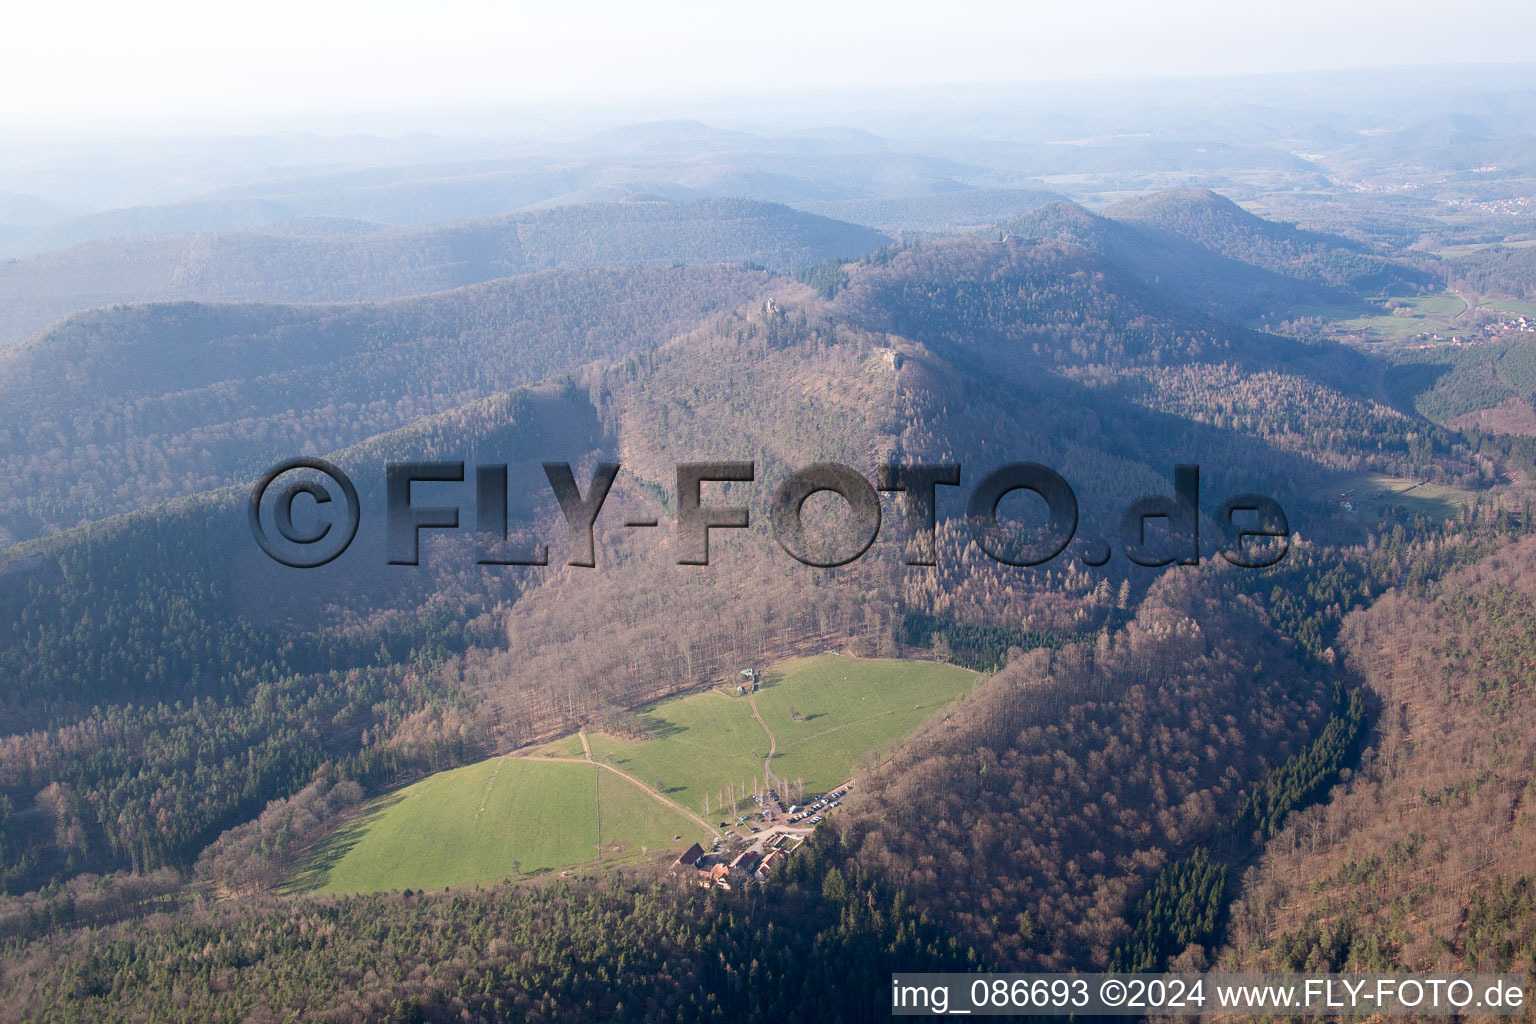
{"type": "Point", "coordinates": [689, 858]}
{"type": "Point", "coordinates": [770, 862]}
{"type": "Point", "coordinates": [715, 875]}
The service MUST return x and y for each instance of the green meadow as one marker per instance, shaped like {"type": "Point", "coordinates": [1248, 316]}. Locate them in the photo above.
{"type": "Point", "coordinates": [489, 821]}
{"type": "Point", "coordinates": [846, 708]}
{"type": "Point", "coordinates": [1418, 314]}
{"type": "Point", "coordinates": [530, 814]}
{"type": "Point", "coordinates": [825, 713]}
{"type": "Point", "coordinates": [1374, 493]}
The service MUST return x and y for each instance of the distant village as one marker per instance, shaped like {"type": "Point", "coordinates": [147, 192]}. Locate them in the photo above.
{"type": "Point", "coordinates": [1489, 332]}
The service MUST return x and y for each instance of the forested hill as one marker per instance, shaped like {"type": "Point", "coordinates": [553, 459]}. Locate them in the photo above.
{"type": "Point", "coordinates": [1206, 279]}
{"type": "Point", "coordinates": [124, 407]}
{"type": "Point", "coordinates": [1216, 223]}
{"type": "Point", "coordinates": [1501, 269]}
{"type": "Point", "coordinates": [188, 396]}
{"type": "Point", "coordinates": [1421, 859]}
{"type": "Point", "coordinates": [346, 262]}
{"type": "Point", "coordinates": [1218, 258]}
{"type": "Point", "coordinates": [1054, 302]}
{"type": "Point", "coordinates": [289, 669]}
{"type": "Point", "coordinates": [168, 680]}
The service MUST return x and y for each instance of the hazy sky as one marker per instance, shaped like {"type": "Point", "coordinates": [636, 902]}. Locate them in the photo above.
{"type": "Point", "coordinates": [72, 60]}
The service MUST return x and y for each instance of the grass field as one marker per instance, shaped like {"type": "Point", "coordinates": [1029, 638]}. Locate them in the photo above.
{"type": "Point", "coordinates": [1462, 250]}
{"type": "Point", "coordinates": [1374, 493]}
{"type": "Point", "coordinates": [489, 821]}
{"type": "Point", "coordinates": [1432, 313]}
{"type": "Point", "coordinates": [527, 814]}
{"type": "Point", "coordinates": [1515, 306]}
{"type": "Point", "coordinates": [699, 744]}
{"type": "Point", "coordinates": [847, 706]}
{"type": "Point", "coordinates": [633, 826]}
{"type": "Point", "coordinates": [565, 746]}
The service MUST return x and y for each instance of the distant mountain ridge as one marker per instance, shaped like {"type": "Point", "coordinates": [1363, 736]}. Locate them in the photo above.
{"type": "Point", "coordinates": [116, 408]}
{"type": "Point", "coordinates": [345, 262]}
{"type": "Point", "coordinates": [952, 210]}
{"type": "Point", "coordinates": [1219, 258]}
{"type": "Point", "coordinates": [676, 160]}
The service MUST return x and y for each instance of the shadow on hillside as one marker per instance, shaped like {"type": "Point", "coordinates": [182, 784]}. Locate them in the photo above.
{"type": "Point", "coordinates": [769, 679]}
{"type": "Point", "coordinates": [661, 729]}
{"type": "Point", "coordinates": [1405, 382]}
{"type": "Point", "coordinates": [315, 867]}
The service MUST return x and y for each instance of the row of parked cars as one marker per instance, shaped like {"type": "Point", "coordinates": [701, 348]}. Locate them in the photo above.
{"type": "Point", "coordinates": [746, 822]}
{"type": "Point", "coordinates": [812, 813]}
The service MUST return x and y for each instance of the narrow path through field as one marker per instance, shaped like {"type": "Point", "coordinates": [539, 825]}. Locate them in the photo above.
{"type": "Point", "coordinates": [848, 725]}
{"type": "Point", "coordinates": [487, 795]}
{"type": "Point", "coordinates": [773, 745]}
{"type": "Point", "coordinates": [597, 807]}
{"type": "Point", "coordinates": [586, 748]}
{"type": "Point", "coordinates": [658, 797]}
